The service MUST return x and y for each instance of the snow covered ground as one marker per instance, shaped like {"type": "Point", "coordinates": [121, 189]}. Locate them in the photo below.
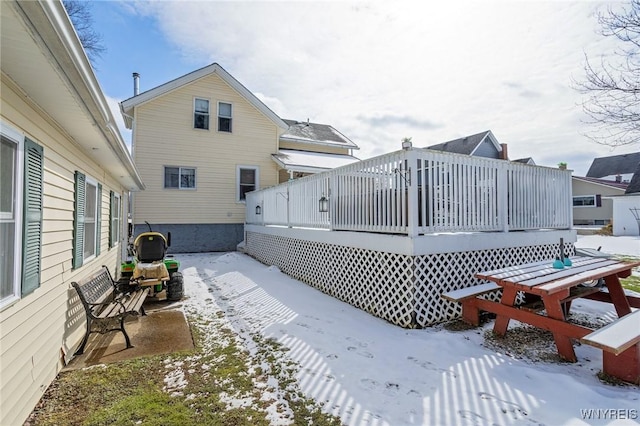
{"type": "Point", "coordinates": [369, 372]}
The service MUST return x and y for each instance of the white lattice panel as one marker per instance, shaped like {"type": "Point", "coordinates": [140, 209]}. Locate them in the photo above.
{"type": "Point", "coordinates": [404, 290]}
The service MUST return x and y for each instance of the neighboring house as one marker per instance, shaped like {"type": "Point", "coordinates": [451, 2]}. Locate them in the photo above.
{"type": "Point", "coordinates": [626, 208]}
{"type": "Point", "coordinates": [528, 160]}
{"type": "Point", "coordinates": [65, 176]}
{"type": "Point", "coordinates": [617, 168]}
{"type": "Point", "coordinates": [482, 144]}
{"type": "Point", "coordinates": [590, 207]}
{"type": "Point", "coordinates": [201, 142]}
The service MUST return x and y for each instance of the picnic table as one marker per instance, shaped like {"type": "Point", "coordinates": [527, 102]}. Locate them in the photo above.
{"type": "Point", "coordinates": [553, 290]}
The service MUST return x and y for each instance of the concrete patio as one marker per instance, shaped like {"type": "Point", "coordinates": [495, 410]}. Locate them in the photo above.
{"type": "Point", "coordinates": [163, 330]}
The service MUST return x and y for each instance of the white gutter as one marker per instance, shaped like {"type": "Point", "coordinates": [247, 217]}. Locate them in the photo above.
{"type": "Point", "coordinates": [61, 24]}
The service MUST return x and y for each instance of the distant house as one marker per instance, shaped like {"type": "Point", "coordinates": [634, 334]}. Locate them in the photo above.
{"type": "Point", "coordinates": [65, 179]}
{"type": "Point", "coordinates": [482, 144]}
{"type": "Point", "coordinates": [626, 208]}
{"type": "Point", "coordinates": [634, 183]}
{"type": "Point", "coordinates": [528, 160]}
{"type": "Point", "coordinates": [202, 141]}
{"type": "Point", "coordinates": [590, 203]}
{"type": "Point", "coordinates": [618, 168]}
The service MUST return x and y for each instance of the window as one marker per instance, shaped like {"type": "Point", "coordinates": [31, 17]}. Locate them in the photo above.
{"type": "Point", "coordinates": [587, 201]}
{"type": "Point", "coordinates": [248, 178]}
{"type": "Point", "coordinates": [10, 218]}
{"type": "Point", "coordinates": [87, 219]}
{"type": "Point", "coordinates": [115, 221]}
{"type": "Point", "coordinates": [224, 117]}
{"type": "Point", "coordinates": [180, 177]}
{"type": "Point", "coordinates": [21, 176]}
{"type": "Point", "coordinates": [201, 114]}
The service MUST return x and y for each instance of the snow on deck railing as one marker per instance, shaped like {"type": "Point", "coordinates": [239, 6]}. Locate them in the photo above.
{"type": "Point", "coordinates": [418, 192]}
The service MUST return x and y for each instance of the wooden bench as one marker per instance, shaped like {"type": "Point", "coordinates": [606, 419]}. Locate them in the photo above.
{"type": "Point", "coordinates": [104, 305]}
{"type": "Point", "coordinates": [620, 344]}
{"type": "Point", "coordinates": [467, 297]}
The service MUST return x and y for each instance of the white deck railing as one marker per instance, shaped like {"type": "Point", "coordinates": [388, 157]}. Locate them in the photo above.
{"type": "Point", "coordinates": [419, 192]}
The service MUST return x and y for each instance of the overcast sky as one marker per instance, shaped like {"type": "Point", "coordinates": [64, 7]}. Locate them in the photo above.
{"type": "Point", "coordinates": [379, 71]}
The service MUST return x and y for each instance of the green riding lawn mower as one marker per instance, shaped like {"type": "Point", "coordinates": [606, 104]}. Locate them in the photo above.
{"type": "Point", "coordinates": [150, 266]}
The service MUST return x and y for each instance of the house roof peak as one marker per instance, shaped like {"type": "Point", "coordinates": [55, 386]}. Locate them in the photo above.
{"type": "Point", "coordinates": [127, 106]}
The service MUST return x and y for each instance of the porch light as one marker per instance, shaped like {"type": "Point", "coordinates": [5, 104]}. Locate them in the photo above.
{"type": "Point", "coordinates": [258, 210]}
{"type": "Point", "coordinates": [406, 143]}
{"type": "Point", "coordinates": [323, 204]}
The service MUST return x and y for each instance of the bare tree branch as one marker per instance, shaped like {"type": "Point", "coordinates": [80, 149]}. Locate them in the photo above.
{"type": "Point", "coordinates": [612, 89]}
{"type": "Point", "coordinates": [80, 14]}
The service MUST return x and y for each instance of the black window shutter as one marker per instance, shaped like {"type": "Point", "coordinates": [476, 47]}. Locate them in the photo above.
{"type": "Point", "coordinates": [112, 200]}
{"type": "Point", "coordinates": [598, 200]}
{"type": "Point", "coordinates": [32, 232]}
{"type": "Point", "coordinates": [98, 220]}
{"type": "Point", "coordinates": [78, 221]}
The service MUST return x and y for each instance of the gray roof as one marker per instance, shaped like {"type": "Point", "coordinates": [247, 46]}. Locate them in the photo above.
{"type": "Point", "coordinates": [614, 165]}
{"type": "Point", "coordinates": [304, 131]}
{"type": "Point", "coordinates": [465, 145]}
{"type": "Point", "coordinates": [527, 160]}
{"type": "Point", "coordinates": [634, 184]}
{"type": "Point", "coordinates": [609, 183]}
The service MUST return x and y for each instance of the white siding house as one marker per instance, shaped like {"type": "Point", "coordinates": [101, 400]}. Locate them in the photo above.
{"type": "Point", "coordinates": [65, 179]}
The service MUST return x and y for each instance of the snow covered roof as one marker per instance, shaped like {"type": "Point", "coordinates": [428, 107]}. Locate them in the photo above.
{"type": "Point", "coordinates": [315, 133]}
{"type": "Point", "coordinates": [310, 162]}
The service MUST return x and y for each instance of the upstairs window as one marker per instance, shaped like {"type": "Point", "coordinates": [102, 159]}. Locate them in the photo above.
{"type": "Point", "coordinates": [247, 181]}
{"type": "Point", "coordinates": [180, 177]}
{"type": "Point", "coordinates": [201, 114]}
{"type": "Point", "coordinates": [224, 117]}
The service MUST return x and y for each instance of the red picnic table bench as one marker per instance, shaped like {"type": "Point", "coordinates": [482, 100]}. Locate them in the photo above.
{"type": "Point", "coordinates": [554, 289]}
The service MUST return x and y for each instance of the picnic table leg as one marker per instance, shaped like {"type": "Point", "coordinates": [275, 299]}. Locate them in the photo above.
{"type": "Point", "coordinates": [625, 366]}
{"type": "Point", "coordinates": [470, 312]}
{"type": "Point", "coordinates": [502, 321]}
{"type": "Point", "coordinates": [555, 310]}
{"type": "Point", "coordinates": [618, 297]}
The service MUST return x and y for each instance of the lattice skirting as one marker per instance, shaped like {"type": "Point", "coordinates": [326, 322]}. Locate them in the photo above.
{"type": "Point", "coordinates": [404, 290]}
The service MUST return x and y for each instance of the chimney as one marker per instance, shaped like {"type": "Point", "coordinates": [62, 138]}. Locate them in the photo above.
{"type": "Point", "coordinates": [136, 84]}
{"type": "Point", "coordinates": [504, 155]}
{"type": "Point", "coordinates": [618, 178]}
